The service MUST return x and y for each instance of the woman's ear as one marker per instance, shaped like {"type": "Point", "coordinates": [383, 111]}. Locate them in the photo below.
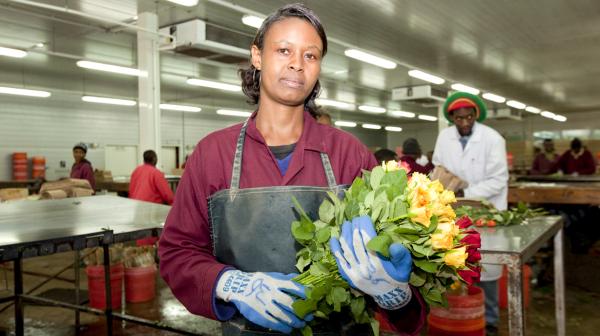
{"type": "Point", "coordinates": [256, 57]}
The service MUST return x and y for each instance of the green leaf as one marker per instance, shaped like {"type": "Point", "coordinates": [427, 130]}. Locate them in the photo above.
{"type": "Point", "coordinates": [375, 327]}
{"type": "Point", "coordinates": [303, 307]}
{"type": "Point", "coordinates": [321, 315]}
{"type": "Point", "coordinates": [337, 296]}
{"type": "Point", "coordinates": [357, 307]}
{"type": "Point", "coordinates": [357, 187]}
{"type": "Point", "coordinates": [302, 231]}
{"type": "Point", "coordinates": [376, 212]}
{"type": "Point", "coordinates": [323, 235]}
{"type": "Point", "coordinates": [424, 250]}
{"type": "Point", "coordinates": [319, 224]}
{"type": "Point", "coordinates": [416, 279]}
{"type": "Point", "coordinates": [318, 268]}
{"type": "Point", "coordinates": [369, 198]}
{"type": "Point", "coordinates": [339, 213]}
{"type": "Point", "coordinates": [326, 211]}
{"type": "Point", "coordinates": [302, 262]}
{"type": "Point", "coordinates": [425, 265]}
{"type": "Point", "coordinates": [320, 291]}
{"type": "Point", "coordinates": [380, 244]}
{"type": "Point", "coordinates": [376, 176]}
{"type": "Point", "coordinates": [307, 331]}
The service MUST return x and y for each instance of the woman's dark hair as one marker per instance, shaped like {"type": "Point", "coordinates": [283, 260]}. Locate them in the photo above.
{"type": "Point", "coordinates": [150, 157]}
{"type": "Point", "coordinates": [251, 76]}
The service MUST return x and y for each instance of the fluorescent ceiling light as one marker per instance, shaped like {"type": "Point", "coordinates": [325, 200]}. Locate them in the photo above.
{"type": "Point", "coordinates": [234, 113]}
{"type": "Point", "coordinates": [494, 97]}
{"type": "Point", "coordinates": [560, 118]}
{"type": "Point", "coordinates": [427, 117]}
{"type": "Point", "coordinates": [111, 68]}
{"type": "Point", "coordinates": [532, 109]}
{"type": "Point", "coordinates": [214, 85]}
{"type": "Point", "coordinates": [515, 104]}
{"type": "Point", "coordinates": [10, 52]}
{"type": "Point", "coordinates": [402, 114]}
{"type": "Point", "coordinates": [371, 109]}
{"type": "Point", "coordinates": [371, 126]}
{"type": "Point", "coordinates": [393, 129]}
{"type": "Point", "coordinates": [548, 114]}
{"type": "Point", "coordinates": [371, 59]}
{"type": "Point", "coordinates": [187, 3]}
{"type": "Point", "coordinates": [252, 21]}
{"type": "Point", "coordinates": [111, 101]}
{"type": "Point", "coordinates": [342, 123]}
{"type": "Point", "coordinates": [426, 77]}
{"type": "Point", "coordinates": [24, 92]}
{"type": "Point", "coordinates": [335, 103]}
{"type": "Point", "coordinates": [183, 108]}
{"type": "Point", "coordinates": [465, 88]}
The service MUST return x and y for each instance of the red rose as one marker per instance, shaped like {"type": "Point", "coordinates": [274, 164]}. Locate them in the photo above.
{"type": "Point", "coordinates": [464, 222]}
{"type": "Point", "coordinates": [472, 239]}
{"type": "Point", "coordinates": [474, 256]}
{"type": "Point", "coordinates": [471, 275]}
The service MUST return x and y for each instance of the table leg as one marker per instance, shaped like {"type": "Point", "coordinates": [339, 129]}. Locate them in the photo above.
{"type": "Point", "coordinates": [108, 311]}
{"type": "Point", "coordinates": [559, 284]}
{"type": "Point", "coordinates": [77, 300]}
{"type": "Point", "coordinates": [516, 313]}
{"type": "Point", "coordinates": [18, 274]}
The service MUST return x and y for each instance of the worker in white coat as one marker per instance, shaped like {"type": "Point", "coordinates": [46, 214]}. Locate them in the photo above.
{"type": "Point", "coordinates": [476, 153]}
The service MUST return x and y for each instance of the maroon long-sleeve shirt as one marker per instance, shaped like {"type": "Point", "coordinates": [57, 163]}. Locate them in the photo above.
{"type": "Point", "coordinates": [83, 170]}
{"type": "Point", "coordinates": [186, 260]}
{"type": "Point", "coordinates": [583, 164]}
{"type": "Point", "coordinates": [545, 164]}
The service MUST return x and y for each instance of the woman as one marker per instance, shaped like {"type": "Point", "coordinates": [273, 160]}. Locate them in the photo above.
{"type": "Point", "coordinates": [249, 173]}
{"type": "Point", "coordinates": [82, 168]}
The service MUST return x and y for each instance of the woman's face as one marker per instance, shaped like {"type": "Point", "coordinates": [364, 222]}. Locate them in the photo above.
{"type": "Point", "coordinates": [78, 154]}
{"type": "Point", "coordinates": [290, 62]}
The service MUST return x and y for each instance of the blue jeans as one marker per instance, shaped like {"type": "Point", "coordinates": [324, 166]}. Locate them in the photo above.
{"type": "Point", "coordinates": [492, 312]}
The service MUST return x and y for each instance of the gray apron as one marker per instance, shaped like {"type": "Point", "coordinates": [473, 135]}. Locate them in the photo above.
{"type": "Point", "coordinates": [251, 228]}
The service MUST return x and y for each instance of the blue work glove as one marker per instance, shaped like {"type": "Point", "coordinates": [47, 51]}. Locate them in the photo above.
{"type": "Point", "coordinates": [263, 298]}
{"type": "Point", "coordinates": [386, 280]}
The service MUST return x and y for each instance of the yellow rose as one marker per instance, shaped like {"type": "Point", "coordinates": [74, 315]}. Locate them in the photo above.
{"type": "Point", "coordinates": [447, 197]}
{"type": "Point", "coordinates": [443, 211]}
{"type": "Point", "coordinates": [456, 257]}
{"type": "Point", "coordinates": [421, 215]}
{"type": "Point", "coordinates": [390, 166]}
{"type": "Point", "coordinates": [437, 186]}
{"type": "Point", "coordinates": [442, 241]}
{"type": "Point", "coordinates": [448, 228]}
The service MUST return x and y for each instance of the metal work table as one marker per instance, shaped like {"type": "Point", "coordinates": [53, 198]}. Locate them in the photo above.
{"type": "Point", "coordinates": [555, 192]}
{"type": "Point", "coordinates": [122, 187]}
{"type": "Point", "coordinates": [513, 245]}
{"type": "Point", "coordinates": [29, 229]}
{"type": "Point", "coordinates": [558, 178]}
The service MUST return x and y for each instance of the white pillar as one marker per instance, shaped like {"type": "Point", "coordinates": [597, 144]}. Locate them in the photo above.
{"type": "Point", "coordinates": [442, 122]}
{"type": "Point", "coordinates": [148, 85]}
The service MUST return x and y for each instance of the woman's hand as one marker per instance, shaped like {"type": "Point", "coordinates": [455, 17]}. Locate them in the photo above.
{"type": "Point", "coordinates": [263, 298]}
{"type": "Point", "coordinates": [386, 280]}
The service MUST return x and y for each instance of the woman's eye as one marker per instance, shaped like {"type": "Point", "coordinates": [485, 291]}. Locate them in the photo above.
{"type": "Point", "coordinates": [311, 56]}
{"type": "Point", "coordinates": [283, 51]}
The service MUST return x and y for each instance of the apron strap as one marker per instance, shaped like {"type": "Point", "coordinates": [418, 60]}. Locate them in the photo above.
{"type": "Point", "coordinates": [328, 171]}
{"type": "Point", "coordinates": [237, 159]}
{"type": "Point", "coordinates": [237, 163]}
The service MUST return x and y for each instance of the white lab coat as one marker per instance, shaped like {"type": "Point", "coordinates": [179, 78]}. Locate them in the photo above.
{"type": "Point", "coordinates": [483, 165]}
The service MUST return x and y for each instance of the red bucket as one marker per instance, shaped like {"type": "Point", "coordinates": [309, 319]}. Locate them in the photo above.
{"type": "Point", "coordinates": [465, 315]}
{"type": "Point", "coordinates": [97, 292]}
{"type": "Point", "coordinates": [140, 283]}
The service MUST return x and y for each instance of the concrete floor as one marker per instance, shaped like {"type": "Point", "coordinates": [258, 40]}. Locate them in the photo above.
{"type": "Point", "coordinates": [583, 296]}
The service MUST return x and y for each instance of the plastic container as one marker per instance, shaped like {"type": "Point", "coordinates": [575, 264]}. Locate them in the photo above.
{"type": "Point", "coordinates": [38, 167]}
{"type": "Point", "coordinates": [19, 161]}
{"type": "Point", "coordinates": [502, 289]}
{"type": "Point", "coordinates": [465, 315]}
{"type": "Point", "coordinates": [140, 284]}
{"type": "Point", "coordinates": [146, 241]}
{"type": "Point", "coordinates": [97, 292]}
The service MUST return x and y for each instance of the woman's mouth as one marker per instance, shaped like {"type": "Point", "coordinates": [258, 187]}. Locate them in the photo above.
{"type": "Point", "coordinates": [292, 83]}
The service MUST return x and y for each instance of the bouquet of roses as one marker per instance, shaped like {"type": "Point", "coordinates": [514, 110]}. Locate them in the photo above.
{"type": "Point", "coordinates": [413, 211]}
